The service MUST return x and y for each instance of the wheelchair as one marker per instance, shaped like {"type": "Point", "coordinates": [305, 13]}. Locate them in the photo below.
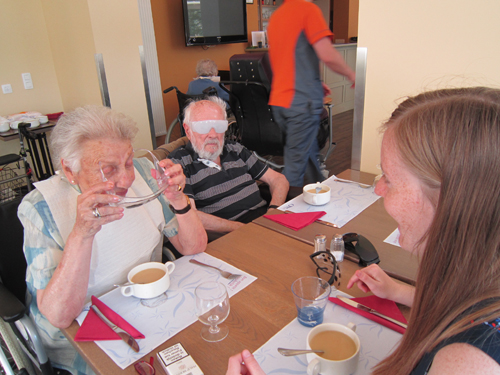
{"type": "Point", "coordinates": [20, 338]}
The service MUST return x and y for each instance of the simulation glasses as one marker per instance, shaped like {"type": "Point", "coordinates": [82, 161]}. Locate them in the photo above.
{"type": "Point", "coordinates": [204, 127]}
{"type": "Point", "coordinates": [131, 202]}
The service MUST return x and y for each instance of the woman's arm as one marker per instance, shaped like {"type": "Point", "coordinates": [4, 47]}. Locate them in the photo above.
{"type": "Point", "coordinates": [64, 296]}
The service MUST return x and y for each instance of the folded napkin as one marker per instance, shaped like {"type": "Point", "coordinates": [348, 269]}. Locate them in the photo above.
{"type": "Point", "coordinates": [383, 306]}
{"type": "Point", "coordinates": [296, 221]}
{"type": "Point", "coordinates": [94, 329]}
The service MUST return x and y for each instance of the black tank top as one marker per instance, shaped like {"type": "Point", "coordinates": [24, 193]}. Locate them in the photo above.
{"type": "Point", "coordinates": [485, 337]}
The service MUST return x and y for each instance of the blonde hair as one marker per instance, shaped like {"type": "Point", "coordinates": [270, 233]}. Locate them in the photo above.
{"type": "Point", "coordinates": [86, 123]}
{"type": "Point", "coordinates": [450, 139]}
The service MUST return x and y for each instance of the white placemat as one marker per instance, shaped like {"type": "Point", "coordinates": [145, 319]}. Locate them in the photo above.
{"type": "Point", "coordinates": [346, 202]}
{"type": "Point", "coordinates": [377, 342]}
{"type": "Point", "coordinates": [161, 318]}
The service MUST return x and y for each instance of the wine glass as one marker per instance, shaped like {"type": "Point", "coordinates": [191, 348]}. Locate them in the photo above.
{"type": "Point", "coordinates": [212, 308]}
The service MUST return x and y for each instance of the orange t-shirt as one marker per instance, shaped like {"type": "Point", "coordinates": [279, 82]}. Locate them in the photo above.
{"type": "Point", "coordinates": [293, 29]}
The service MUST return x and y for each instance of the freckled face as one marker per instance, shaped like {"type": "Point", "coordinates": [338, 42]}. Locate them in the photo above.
{"type": "Point", "coordinates": [116, 160]}
{"type": "Point", "coordinates": [404, 197]}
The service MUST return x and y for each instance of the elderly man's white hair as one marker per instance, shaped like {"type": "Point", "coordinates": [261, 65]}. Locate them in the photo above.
{"type": "Point", "coordinates": [206, 68]}
{"type": "Point", "coordinates": [83, 124]}
{"type": "Point", "coordinates": [188, 110]}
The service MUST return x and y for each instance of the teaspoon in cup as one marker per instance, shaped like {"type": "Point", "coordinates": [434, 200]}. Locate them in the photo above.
{"type": "Point", "coordinates": [290, 352]}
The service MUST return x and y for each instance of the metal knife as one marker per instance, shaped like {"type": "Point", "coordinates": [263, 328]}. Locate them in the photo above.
{"type": "Point", "coordinates": [124, 335]}
{"type": "Point", "coordinates": [370, 310]}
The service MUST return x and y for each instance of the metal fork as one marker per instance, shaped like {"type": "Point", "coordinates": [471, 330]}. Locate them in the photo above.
{"type": "Point", "coordinates": [227, 275]}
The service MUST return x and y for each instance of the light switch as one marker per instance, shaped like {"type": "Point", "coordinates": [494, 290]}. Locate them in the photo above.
{"type": "Point", "coordinates": [28, 83]}
{"type": "Point", "coordinates": [7, 89]}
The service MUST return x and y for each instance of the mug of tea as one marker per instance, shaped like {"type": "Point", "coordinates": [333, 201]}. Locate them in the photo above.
{"type": "Point", "coordinates": [316, 194]}
{"type": "Point", "coordinates": [149, 280]}
{"type": "Point", "coordinates": [341, 346]}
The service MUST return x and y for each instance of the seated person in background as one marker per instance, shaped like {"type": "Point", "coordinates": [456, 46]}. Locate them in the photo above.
{"type": "Point", "coordinates": [206, 70]}
{"type": "Point", "coordinates": [220, 177]}
{"type": "Point", "coordinates": [438, 153]}
{"type": "Point", "coordinates": [76, 244]}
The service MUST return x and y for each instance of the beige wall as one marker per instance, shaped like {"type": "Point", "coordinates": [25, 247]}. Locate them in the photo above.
{"type": "Point", "coordinates": [55, 41]}
{"type": "Point", "coordinates": [420, 45]}
{"type": "Point", "coordinates": [25, 48]}
{"type": "Point", "coordinates": [72, 45]}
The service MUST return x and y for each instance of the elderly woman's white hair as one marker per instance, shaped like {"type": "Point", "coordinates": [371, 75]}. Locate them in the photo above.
{"type": "Point", "coordinates": [83, 124]}
{"type": "Point", "coordinates": [206, 68]}
{"type": "Point", "coordinates": [192, 106]}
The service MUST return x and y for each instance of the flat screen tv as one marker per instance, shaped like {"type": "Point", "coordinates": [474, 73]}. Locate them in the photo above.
{"type": "Point", "coordinates": [211, 22]}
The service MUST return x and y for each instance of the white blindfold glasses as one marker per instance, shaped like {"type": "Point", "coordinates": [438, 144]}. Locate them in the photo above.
{"type": "Point", "coordinates": [204, 127]}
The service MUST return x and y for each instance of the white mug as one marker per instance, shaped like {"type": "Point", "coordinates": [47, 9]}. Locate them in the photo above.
{"type": "Point", "coordinates": [150, 290]}
{"type": "Point", "coordinates": [316, 199]}
{"type": "Point", "coordinates": [318, 365]}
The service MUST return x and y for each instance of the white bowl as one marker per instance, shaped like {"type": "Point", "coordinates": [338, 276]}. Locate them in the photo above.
{"type": "Point", "coordinates": [43, 119]}
{"type": "Point", "coordinates": [4, 126]}
{"type": "Point", "coordinates": [14, 124]}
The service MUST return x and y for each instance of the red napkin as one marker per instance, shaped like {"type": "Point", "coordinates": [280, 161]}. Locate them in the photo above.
{"type": "Point", "coordinates": [383, 306]}
{"type": "Point", "coordinates": [296, 221]}
{"type": "Point", "coordinates": [94, 329]}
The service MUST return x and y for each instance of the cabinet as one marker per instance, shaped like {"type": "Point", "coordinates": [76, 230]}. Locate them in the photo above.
{"type": "Point", "coordinates": [266, 9]}
{"type": "Point", "coordinates": [342, 94]}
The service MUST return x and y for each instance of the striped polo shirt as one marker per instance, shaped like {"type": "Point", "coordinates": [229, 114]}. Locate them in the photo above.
{"type": "Point", "coordinates": [228, 192]}
{"type": "Point", "coordinates": [293, 29]}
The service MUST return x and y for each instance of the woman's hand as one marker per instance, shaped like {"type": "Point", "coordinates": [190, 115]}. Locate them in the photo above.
{"type": "Point", "coordinates": [374, 279]}
{"type": "Point", "coordinates": [243, 363]}
{"type": "Point", "coordinates": [95, 200]}
{"type": "Point", "coordinates": [176, 183]}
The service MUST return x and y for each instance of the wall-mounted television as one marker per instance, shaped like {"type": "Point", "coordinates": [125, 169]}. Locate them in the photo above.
{"type": "Point", "coordinates": [210, 22]}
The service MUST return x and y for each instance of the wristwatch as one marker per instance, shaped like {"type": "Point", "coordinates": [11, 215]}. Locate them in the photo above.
{"type": "Point", "coordinates": [183, 210]}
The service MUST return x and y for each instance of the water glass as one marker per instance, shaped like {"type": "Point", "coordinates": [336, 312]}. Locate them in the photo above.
{"type": "Point", "coordinates": [311, 295]}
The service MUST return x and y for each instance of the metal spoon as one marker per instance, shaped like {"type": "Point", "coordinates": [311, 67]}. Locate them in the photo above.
{"type": "Point", "coordinates": [290, 352]}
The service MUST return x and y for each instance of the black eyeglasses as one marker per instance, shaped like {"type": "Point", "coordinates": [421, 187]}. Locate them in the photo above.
{"type": "Point", "coordinates": [326, 264]}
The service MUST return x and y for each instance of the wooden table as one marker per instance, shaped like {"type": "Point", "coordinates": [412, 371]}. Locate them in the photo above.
{"type": "Point", "coordinates": [374, 223]}
{"type": "Point", "coordinates": [258, 312]}
{"type": "Point", "coordinates": [14, 133]}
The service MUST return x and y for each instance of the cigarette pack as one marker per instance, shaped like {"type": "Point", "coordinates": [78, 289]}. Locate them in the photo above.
{"type": "Point", "coordinates": [175, 360]}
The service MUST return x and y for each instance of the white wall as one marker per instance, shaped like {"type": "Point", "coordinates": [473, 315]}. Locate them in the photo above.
{"type": "Point", "coordinates": [421, 45]}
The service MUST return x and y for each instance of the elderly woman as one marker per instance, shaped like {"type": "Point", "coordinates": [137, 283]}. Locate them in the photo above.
{"type": "Point", "coordinates": [439, 153]}
{"type": "Point", "coordinates": [78, 241]}
{"type": "Point", "coordinates": [206, 70]}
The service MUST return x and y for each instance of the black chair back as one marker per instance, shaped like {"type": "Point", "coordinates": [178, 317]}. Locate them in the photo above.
{"type": "Point", "coordinates": [250, 82]}
{"type": "Point", "coordinates": [12, 261]}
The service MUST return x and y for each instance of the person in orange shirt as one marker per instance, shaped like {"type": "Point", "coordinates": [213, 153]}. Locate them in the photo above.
{"type": "Point", "coordinates": [299, 39]}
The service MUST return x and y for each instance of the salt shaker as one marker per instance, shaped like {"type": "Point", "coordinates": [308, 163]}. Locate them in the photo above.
{"type": "Point", "coordinates": [337, 247]}
{"type": "Point", "coordinates": [319, 243]}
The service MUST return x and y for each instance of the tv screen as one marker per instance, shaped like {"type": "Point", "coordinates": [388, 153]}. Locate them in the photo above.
{"type": "Point", "coordinates": [209, 22]}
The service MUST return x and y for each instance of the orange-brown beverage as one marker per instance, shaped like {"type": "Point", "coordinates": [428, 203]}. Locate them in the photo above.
{"type": "Point", "coordinates": [336, 345]}
{"type": "Point", "coordinates": [147, 276]}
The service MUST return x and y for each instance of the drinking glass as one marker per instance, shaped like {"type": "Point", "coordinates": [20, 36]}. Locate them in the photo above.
{"type": "Point", "coordinates": [212, 308]}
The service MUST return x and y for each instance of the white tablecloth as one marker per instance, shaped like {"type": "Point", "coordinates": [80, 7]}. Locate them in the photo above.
{"type": "Point", "coordinates": [161, 318]}
{"type": "Point", "coordinates": [377, 342]}
{"type": "Point", "coordinates": [346, 202]}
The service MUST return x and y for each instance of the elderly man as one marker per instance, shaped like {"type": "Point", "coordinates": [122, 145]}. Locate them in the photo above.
{"type": "Point", "coordinates": [220, 177]}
